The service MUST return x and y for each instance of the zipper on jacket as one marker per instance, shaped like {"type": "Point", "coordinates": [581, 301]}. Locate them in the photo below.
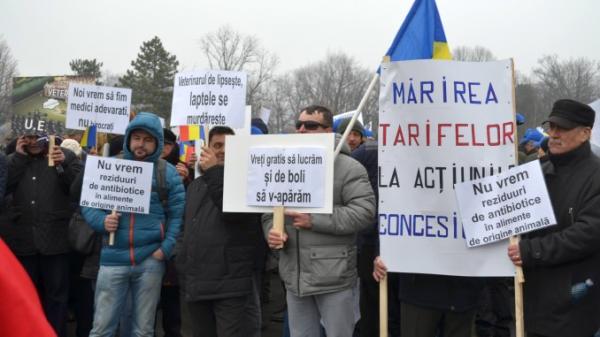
{"type": "Point", "coordinates": [162, 231]}
{"type": "Point", "coordinates": [298, 259]}
{"type": "Point", "coordinates": [571, 215]}
{"type": "Point", "coordinates": [131, 253]}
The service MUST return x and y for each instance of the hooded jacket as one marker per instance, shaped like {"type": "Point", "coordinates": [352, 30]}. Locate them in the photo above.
{"type": "Point", "coordinates": [323, 259]}
{"type": "Point", "coordinates": [139, 235]}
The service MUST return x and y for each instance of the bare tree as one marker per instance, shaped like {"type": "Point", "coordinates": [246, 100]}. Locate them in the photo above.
{"type": "Point", "coordinates": [575, 78]}
{"type": "Point", "coordinates": [8, 69]}
{"type": "Point", "coordinates": [528, 100]}
{"type": "Point", "coordinates": [337, 82]}
{"type": "Point", "coordinates": [280, 100]}
{"type": "Point", "coordinates": [227, 49]}
{"type": "Point", "coordinates": [472, 54]}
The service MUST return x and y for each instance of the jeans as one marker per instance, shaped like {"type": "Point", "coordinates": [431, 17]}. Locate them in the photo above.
{"type": "Point", "coordinates": [114, 282]}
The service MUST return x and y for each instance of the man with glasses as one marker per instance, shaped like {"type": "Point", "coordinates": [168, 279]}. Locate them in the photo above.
{"type": "Point", "coordinates": [318, 259]}
{"type": "Point", "coordinates": [561, 262]}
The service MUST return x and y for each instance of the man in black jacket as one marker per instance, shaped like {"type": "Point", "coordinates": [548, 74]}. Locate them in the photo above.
{"type": "Point", "coordinates": [562, 262]}
{"type": "Point", "coordinates": [217, 250]}
{"type": "Point", "coordinates": [39, 235]}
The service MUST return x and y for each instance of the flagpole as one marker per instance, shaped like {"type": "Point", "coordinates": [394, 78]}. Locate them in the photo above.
{"type": "Point", "coordinates": [361, 106]}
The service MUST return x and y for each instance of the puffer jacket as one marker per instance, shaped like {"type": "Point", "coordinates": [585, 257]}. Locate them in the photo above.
{"type": "Point", "coordinates": [323, 259]}
{"type": "Point", "coordinates": [217, 250]}
{"type": "Point", "coordinates": [558, 257]}
{"type": "Point", "coordinates": [139, 235]}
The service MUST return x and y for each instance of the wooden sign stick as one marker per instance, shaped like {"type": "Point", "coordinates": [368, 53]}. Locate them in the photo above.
{"type": "Point", "coordinates": [111, 236]}
{"type": "Point", "coordinates": [519, 277]}
{"type": "Point", "coordinates": [51, 142]}
{"type": "Point", "coordinates": [278, 221]}
{"type": "Point", "coordinates": [519, 280]}
{"type": "Point", "coordinates": [383, 307]}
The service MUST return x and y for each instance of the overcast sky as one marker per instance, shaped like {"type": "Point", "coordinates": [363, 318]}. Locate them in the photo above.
{"type": "Point", "coordinates": [44, 35]}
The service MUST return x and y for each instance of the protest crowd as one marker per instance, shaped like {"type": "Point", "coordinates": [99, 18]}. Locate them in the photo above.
{"type": "Point", "coordinates": [186, 248]}
{"type": "Point", "coordinates": [448, 219]}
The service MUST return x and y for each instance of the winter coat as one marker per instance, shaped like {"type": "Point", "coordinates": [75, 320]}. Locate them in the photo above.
{"type": "Point", "coordinates": [139, 235]}
{"type": "Point", "coordinates": [558, 257]}
{"type": "Point", "coordinates": [40, 203]}
{"type": "Point", "coordinates": [323, 259]}
{"type": "Point", "coordinates": [366, 154]}
{"type": "Point", "coordinates": [217, 250]}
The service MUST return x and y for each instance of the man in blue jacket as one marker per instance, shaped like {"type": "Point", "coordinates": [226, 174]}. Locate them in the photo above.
{"type": "Point", "coordinates": [136, 261]}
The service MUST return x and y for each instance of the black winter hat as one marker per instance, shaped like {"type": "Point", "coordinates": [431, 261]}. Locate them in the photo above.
{"type": "Point", "coordinates": [568, 114]}
{"type": "Point", "coordinates": [169, 136]}
{"type": "Point", "coordinates": [116, 145]}
{"type": "Point", "coordinates": [358, 127]}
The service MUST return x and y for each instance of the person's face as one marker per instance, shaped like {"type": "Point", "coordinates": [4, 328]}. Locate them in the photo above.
{"type": "Point", "coordinates": [529, 147]}
{"type": "Point", "coordinates": [217, 144]}
{"type": "Point", "coordinates": [141, 144]}
{"type": "Point", "coordinates": [31, 146]}
{"type": "Point", "coordinates": [312, 123]}
{"type": "Point", "coordinates": [167, 148]}
{"type": "Point", "coordinates": [564, 140]}
{"type": "Point", "coordinates": [354, 139]}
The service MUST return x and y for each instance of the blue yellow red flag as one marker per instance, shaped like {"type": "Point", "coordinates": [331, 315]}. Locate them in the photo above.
{"type": "Point", "coordinates": [421, 35]}
{"type": "Point", "coordinates": [186, 149]}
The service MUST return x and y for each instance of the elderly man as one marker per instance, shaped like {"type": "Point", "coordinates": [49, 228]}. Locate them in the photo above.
{"type": "Point", "coordinates": [561, 262]}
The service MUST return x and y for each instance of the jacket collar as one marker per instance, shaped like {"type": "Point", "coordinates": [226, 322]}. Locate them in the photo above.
{"type": "Point", "coordinates": [571, 158]}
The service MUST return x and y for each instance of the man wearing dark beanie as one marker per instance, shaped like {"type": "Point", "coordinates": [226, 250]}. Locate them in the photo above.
{"type": "Point", "coordinates": [355, 137]}
{"type": "Point", "coordinates": [561, 262]}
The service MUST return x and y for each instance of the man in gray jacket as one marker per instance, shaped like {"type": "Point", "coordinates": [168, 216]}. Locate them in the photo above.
{"type": "Point", "coordinates": [318, 260]}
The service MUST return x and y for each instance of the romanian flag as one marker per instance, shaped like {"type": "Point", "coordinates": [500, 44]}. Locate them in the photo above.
{"type": "Point", "coordinates": [421, 35]}
{"type": "Point", "coordinates": [89, 136]}
{"type": "Point", "coordinates": [191, 132]}
{"type": "Point", "coordinates": [186, 149]}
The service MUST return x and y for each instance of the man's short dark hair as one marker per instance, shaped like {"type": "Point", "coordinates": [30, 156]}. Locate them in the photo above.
{"type": "Point", "coordinates": [219, 130]}
{"type": "Point", "coordinates": [327, 115]}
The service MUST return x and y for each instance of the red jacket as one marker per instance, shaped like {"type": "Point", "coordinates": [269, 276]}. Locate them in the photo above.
{"type": "Point", "coordinates": [21, 313]}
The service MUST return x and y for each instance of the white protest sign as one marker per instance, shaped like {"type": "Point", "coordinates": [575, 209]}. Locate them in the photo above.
{"type": "Point", "coordinates": [290, 177]}
{"type": "Point", "coordinates": [245, 129]}
{"type": "Point", "coordinates": [440, 123]}
{"type": "Point", "coordinates": [211, 97]}
{"type": "Point", "coordinates": [264, 115]}
{"type": "Point", "coordinates": [110, 183]}
{"type": "Point", "coordinates": [107, 107]}
{"type": "Point", "coordinates": [498, 207]}
{"type": "Point", "coordinates": [237, 168]}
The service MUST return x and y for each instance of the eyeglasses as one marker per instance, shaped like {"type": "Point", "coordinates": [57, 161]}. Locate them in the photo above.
{"type": "Point", "coordinates": [549, 126]}
{"type": "Point", "coordinates": [309, 125]}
